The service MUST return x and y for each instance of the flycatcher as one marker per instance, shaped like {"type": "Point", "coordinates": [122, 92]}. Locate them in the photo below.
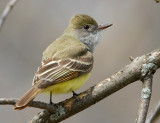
{"type": "Point", "coordinates": [67, 62]}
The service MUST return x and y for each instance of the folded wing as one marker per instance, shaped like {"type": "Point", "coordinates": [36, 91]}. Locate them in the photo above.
{"type": "Point", "coordinates": [55, 71]}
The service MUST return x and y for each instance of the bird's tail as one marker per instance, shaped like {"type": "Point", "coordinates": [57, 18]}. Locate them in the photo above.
{"type": "Point", "coordinates": [27, 97]}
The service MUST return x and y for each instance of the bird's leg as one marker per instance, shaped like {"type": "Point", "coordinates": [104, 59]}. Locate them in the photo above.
{"type": "Point", "coordinates": [74, 94]}
{"type": "Point", "coordinates": [50, 101]}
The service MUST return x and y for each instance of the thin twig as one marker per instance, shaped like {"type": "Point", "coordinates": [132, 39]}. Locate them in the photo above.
{"type": "Point", "coordinates": [155, 114]}
{"type": "Point", "coordinates": [145, 98]}
{"type": "Point", "coordinates": [6, 11]}
{"type": "Point", "coordinates": [35, 104]}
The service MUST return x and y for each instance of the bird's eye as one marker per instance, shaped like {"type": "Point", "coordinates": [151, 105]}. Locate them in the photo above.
{"type": "Point", "coordinates": [86, 27]}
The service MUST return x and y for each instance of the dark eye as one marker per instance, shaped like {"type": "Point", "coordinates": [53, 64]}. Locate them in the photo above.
{"type": "Point", "coordinates": [86, 27]}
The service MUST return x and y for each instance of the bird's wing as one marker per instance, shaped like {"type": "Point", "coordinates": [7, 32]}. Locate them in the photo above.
{"type": "Point", "coordinates": [55, 71]}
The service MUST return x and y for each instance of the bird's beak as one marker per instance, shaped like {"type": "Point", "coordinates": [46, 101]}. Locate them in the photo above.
{"type": "Point", "coordinates": [104, 26]}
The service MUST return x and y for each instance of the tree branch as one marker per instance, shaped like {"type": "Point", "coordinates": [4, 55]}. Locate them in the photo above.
{"type": "Point", "coordinates": [145, 98]}
{"type": "Point", "coordinates": [138, 69]}
{"type": "Point", "coordinates": [35, 104]}
{"type": "Point", "coordinates": [155, 114]}
{"type": "Point", "coordinates": [6, 11]}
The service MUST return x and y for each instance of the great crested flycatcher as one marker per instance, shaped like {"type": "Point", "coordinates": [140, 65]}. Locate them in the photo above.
{"type": "Point", "coordinates": [67, 62]}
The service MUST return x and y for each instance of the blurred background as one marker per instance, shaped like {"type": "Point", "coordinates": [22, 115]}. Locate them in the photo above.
{"type": "Point", "coordinates": [33, 24]}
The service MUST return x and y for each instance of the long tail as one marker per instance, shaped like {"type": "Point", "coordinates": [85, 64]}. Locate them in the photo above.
{"type": "Point", "coordinates": [27, 97]}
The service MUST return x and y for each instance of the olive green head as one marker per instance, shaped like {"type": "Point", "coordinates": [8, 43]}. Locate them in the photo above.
{"type": "Point", "coordinates": [80, 20]}
{"type": "Point", "coordinates": [84, 23]}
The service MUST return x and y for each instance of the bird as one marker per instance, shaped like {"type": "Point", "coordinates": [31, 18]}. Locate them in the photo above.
{"type": "Point", "coordinates": [67, 62]}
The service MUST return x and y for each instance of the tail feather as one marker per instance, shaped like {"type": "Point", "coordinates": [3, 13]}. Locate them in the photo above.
{"type": "Point", "coordinates": [27, 98]}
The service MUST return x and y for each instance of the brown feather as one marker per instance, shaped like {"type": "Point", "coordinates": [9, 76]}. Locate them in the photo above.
{"type": "Point", "coordinates": [27, 97]}
{"type": "Point", "coordinates": [68, 77]}
{"type": "Point", "coordinates": [64, 78]}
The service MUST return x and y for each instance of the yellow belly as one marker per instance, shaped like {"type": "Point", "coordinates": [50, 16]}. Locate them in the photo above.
{"type": "Point", "coordinates": [68, 86]}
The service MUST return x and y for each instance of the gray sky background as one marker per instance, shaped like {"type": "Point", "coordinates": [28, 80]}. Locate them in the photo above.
{"type": "Point", "coordinates": [34, 24]}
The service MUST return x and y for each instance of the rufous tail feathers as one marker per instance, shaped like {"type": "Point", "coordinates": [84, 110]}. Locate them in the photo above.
{"type": "Point", "coordinates": [27, 97]}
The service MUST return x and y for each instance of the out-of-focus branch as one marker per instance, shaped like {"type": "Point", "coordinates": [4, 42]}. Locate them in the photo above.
{"type": "Point", "coordinates": [155, 114]}
{"type": "Point", "coordinates": [157, 1]}
{"type": "Point", "coordinates": [145, 98]}
{"type": "Point", "coordinates": [6, 11]}
{"type": "Point", "coordinates": [138, 69]}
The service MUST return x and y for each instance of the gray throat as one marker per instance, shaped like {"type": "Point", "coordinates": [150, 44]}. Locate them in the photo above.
{"type": "Point", "coordinates": [91, 40]}
{"type": "Point", "coordinates": [91, 46]}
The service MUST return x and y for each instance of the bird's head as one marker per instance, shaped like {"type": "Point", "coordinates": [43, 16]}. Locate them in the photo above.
{"type": "Point", "coordinates": [86, 29]}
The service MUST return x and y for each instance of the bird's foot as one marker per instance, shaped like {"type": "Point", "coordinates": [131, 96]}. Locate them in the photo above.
{"type": "Point", "coordinates": [74, 94]}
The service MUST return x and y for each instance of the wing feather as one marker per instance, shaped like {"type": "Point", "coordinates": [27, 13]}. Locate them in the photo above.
{"type": "Point", "coordinates": [55, 71]}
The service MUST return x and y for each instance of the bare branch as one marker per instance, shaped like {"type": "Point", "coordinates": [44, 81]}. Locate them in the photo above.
{"type": "Point", "coordinates": [155, 114]}
{"type": "Point", "coordinates": [35, 104]}
{"type": "Point", "coordinates": [138, 69]}
{"type": "Point", "coordinates": [145, 98]}
{"type": "Point", "coordinates": [6, 11]}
